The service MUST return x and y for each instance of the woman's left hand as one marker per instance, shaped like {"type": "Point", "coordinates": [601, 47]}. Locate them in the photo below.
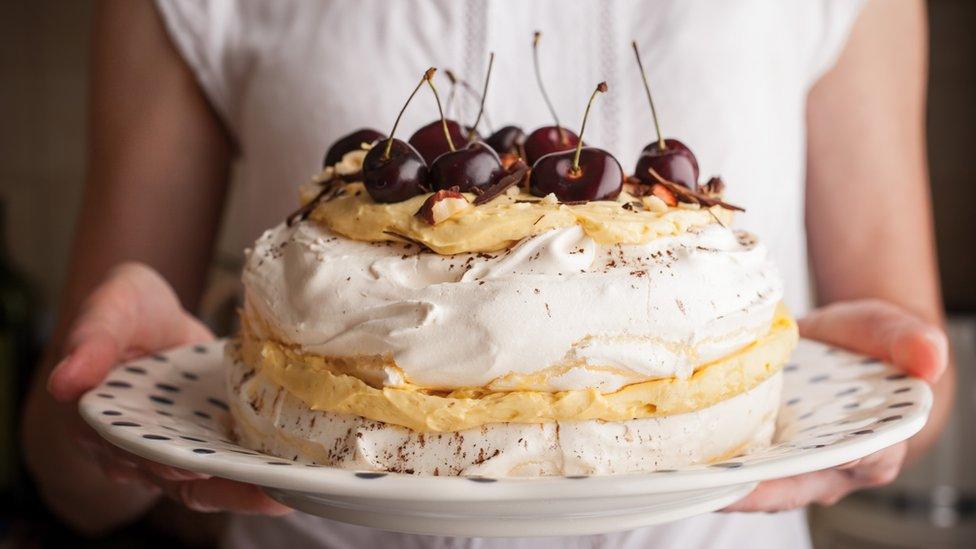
{"type": "Point", "coordinates": [874, 328]}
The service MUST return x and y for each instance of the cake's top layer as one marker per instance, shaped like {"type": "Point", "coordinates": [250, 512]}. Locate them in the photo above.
{"type": "Point", "coordinates": [507, 219]}
{"type": "Point", "coordinates": [498, 223]}
{"type": "Point", "coordinates": [557, 311]}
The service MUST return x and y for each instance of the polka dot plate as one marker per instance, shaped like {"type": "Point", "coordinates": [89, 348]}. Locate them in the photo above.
{"type": "Point", "coordinates": [837, 407]}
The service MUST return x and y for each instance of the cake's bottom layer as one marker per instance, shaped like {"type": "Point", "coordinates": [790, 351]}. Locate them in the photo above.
{"type": "Point", "coordinates": [270, 419]}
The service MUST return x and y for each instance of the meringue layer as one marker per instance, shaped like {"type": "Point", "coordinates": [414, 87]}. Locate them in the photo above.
{"type": "Point", "coordinates": [314, 383]}
{"type": "Point", "coordinates": [557, 312]}
{"type": "Point", "coordinates": [270, 419]}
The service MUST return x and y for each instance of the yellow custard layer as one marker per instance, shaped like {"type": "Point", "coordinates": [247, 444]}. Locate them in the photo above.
{"type": "Point", "coordinates": [311, 379]}
{"type": "Point", "coordinates": [505, 220]}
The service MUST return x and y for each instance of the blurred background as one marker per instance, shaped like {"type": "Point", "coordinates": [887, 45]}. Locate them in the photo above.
{"type": "Point", "coordinates": [43, 89]}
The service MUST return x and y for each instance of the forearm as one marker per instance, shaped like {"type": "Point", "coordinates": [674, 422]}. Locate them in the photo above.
{"type": "Point", "coordinates": [158, 161]}
{"type": "Point", "coordinates": [868, 206]}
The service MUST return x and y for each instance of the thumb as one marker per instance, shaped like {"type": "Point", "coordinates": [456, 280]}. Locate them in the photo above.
{"type": "Point", "coordinates": [133, 311]}
{"type": "Point", "coordinates": [881, 330]}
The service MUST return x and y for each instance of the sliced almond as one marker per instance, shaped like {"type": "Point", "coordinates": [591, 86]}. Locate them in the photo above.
{"type": "Point", "coordinates": [654, 204]}
{"type": "Point", "coordinates": [443, 205]}
{"type": "Point", "coordinates": [665, 194]}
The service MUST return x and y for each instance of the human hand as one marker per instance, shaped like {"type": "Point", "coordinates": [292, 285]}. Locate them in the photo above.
{"type": "Point", "coordinates": [132, 313]}
{"type": "Point", "coordinates": [875, 328]}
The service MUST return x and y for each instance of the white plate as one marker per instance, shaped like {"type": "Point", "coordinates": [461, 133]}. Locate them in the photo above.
{"type": "Point", "coordinates": [837, 407]}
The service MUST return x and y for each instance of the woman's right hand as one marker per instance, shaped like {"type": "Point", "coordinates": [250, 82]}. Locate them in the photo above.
{"type": "Point", "coordinates": [132, 313]}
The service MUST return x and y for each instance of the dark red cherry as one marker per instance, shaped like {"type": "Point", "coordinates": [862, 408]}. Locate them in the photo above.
{"type": "Point", "coordinates": [674, 163]}
{"type": "Point", "coordinates": [396, 175]}
{"type": "Point", "coordinates": [431, 143]}
{"type": "Point", "coordinates": [476, 165]}
{"type": "Point", "coordinates": [585, 173]}
{"type": "Point", "coordinates": [349, 143]}
{"type": "Point", "coordinates": [547, 140]}
{"type": "Point", "coordinates": [598, 177]}
{"type": "Point", "coordinates": [507, 140]}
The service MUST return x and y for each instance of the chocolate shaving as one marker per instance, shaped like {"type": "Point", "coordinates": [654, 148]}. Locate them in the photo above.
{"type": "Point", "coordinates": [685, 194]}
{"type": "Point", "coordinates": [707, 195]}
{"type": "Point", "coordinates": [406, 238]}
{"type": "Point", "coordinates": [331, 190]}
{"type": "Point", "coordinates": [516, 174]}
{"type": "Point", "coordinates": [574, 202]}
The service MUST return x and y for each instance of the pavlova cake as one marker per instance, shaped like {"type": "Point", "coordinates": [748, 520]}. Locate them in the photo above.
{"type": "Point", "coordinates": [513, 306]}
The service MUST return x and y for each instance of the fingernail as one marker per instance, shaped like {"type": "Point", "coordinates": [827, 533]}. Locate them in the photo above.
{"type": "Point", "coordinates": [55, 385]}
{"type": "Point", "coordinates": [939, 342]}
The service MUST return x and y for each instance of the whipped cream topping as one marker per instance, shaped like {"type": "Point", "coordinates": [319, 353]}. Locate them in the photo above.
{"type": "Point", "coordinates": [556, 312]}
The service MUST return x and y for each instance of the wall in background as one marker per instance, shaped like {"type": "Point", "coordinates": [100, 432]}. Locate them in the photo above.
{"type": "Point", "coordinates": [951, 122]}
{"type": "Point", "coordinates": [44, 63]}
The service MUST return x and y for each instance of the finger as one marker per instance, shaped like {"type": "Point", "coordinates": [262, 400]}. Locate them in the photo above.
{"type": "Point", "coordinates": [219, 494]}
{"type": "Point", "coordinates": [133, 310]}
{"type": "Point", "coordinates": [882, 330]}
{"type": "Point", "coordinates": [794, 492]}
{"type": "Point", "coordinates": [84, 367]}
{"type": "Point", "coordinates": [110, 456]}
{"type": "Point", "coordinates": [825, 487]}
{"type": "Point", "coordinates": [167, 472]}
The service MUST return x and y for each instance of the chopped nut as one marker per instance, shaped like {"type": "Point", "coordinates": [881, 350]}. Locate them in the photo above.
{"type": "Point", "coordinates": [665, 194]}
{"type": "Point", "coordinates": [323, 176]}
{"type": "Point", "coordinates": [715, 187]}
{"type": "Point", "coordinates": [443, 205]}
{"type": "Point", "coordinates": [508, 159]}
{"type": "Point", "coordinates": [351, 163]}
{"type": "Point", "coordinates": [654, 204]}
{"type": "Point", "coordinates": [549, 200]}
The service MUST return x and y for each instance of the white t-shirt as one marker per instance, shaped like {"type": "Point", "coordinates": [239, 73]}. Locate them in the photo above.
{"type": "Point", "coordinates": [730, 80]}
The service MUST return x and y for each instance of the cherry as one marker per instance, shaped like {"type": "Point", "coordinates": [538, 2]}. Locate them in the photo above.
{"type": "Point", "coordinates": [476, 165]}
{"type": "Point", "coordinates": [588, 173]}
{"type": "Point", "coordinates": [670, 158]}
{"type": "Point", "coordinates": [507, 140]}
{"type": "Point", "coordinates": [397, 177]}
{"type": "Point", "coordinates": [393, 170]}
{"type": "Point", "coordinates": [547, 139]}
{"type": "Point", "coordinates": [431, 143]}
{"type": "Point", "coordinates": [349, 143]}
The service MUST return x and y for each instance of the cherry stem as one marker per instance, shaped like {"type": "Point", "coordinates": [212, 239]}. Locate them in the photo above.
{"type": "Point", "coordinates": [447, 134]}
{"type": "Point", "coordinates": [659, 177]}
{"type": "Point", "coordinates": [452, 93]}
{"type": "Point", "coordinates": [647, 88]}
{"type": "Point", "coordinates": [389, 141]}
{"type": "Point", "coordinates": [542, 88]}
{"type": "Point", "coordinates": [472, 92]}
{"type": "Point", "coordinates": [484, 94]}
{"type": "Point", "coordinates": [600, 88]}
